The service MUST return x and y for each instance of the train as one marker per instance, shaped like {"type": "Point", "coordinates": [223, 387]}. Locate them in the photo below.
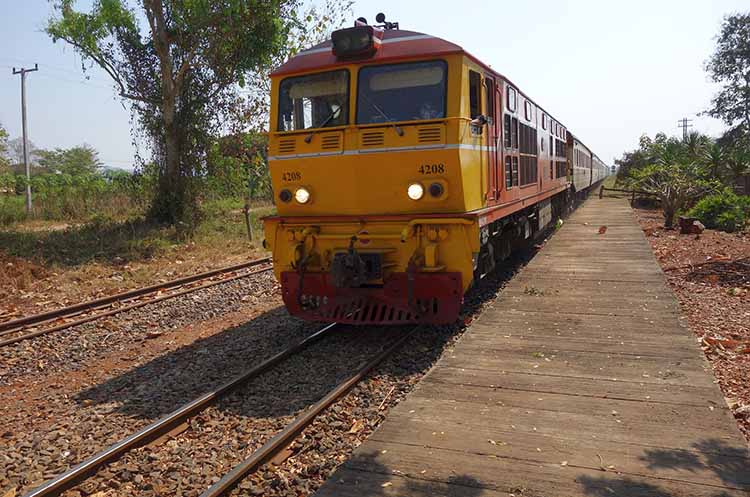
{"type": "Point", "coordinates": [404, 170]}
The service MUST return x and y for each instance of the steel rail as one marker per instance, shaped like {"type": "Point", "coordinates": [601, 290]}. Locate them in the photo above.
{"type": "Point", "coordinates": [124, 308]}
{"type": "Point", "coordinates": [163, 425]}
{"type": "Point", "coordinates": [290, 432]}
{"type": "Point", "coordinates": [91, 304]}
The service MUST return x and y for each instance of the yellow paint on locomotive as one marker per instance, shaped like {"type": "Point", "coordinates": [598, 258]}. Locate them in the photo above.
{"type": "Point", "coordinates": [362, 172]}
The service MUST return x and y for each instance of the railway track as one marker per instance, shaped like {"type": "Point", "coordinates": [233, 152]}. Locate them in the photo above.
{"type": "Point", "coordinates": [17, 330]}
{"type": "Point", "coordinates": [268, 451]}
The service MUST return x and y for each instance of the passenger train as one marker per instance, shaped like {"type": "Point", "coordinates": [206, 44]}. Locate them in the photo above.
{"type": "Point", "coordinates": [405, 169]}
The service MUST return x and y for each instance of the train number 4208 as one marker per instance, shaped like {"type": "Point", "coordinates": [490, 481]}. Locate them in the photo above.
{"type": "Point", "coordinates": [431, 168]}
{"type": "Point", "coordinates": [291, 176]}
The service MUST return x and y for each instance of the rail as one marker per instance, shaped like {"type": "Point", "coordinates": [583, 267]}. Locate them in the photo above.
{"type": "Point", "coordinates": [60, 319]}
{"type": "Point", "coordinates": [167, 423]}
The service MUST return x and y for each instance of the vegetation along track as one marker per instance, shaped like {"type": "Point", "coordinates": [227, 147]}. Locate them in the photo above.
{"type": "Point", "coordinates": [162, 427]}
{"type": "Point", "coordinates": [16, 330]}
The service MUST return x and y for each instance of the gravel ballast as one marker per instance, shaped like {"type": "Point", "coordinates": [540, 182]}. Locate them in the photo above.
{"type": "Point", "coordinates": [68, 426]}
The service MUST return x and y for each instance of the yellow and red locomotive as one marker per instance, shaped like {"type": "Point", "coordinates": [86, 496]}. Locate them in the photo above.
{"type": "Point", "coordinates": [404, 169]}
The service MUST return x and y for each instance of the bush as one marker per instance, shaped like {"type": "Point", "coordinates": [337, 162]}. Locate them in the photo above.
{"type": "Point", "coordinates": [724, 211]}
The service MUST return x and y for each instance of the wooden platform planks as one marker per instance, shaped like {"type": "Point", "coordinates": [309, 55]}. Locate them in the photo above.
{"type": "Point", "coordinates": [579, 380]}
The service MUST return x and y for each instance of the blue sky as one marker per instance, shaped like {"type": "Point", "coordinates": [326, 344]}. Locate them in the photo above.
{"type": "Point", "coordinates": [608, 70]}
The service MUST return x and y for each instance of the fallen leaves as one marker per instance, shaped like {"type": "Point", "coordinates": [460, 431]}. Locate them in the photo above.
{"type": "Point", "coordinates": [710, 275]}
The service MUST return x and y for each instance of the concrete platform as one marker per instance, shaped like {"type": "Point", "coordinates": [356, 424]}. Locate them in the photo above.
{"type": "Point", "coordinates": [579, 380]}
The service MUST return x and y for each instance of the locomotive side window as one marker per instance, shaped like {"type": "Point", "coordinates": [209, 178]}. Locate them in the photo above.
{"type": "Point", "coordinates": [508, 174]}
{"type": "Point", "coordinates": [506, 131]}
{"type": "Point", "coordinates": [544, 121]}
{"type": "Point", "coordinates": [528, 110]}
{"type": "Point", "coordinates": [528, 149]}
{"type": "Point", "coordinates": [314, 101]}
{"type": "Point", "coordinates": [511, 103]}
{"type": "Point", "coordinates": [475, 92]}
{"type": "Point", "coordinates": [401, 92]}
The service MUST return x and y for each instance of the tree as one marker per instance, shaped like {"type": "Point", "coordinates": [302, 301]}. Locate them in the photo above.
{"type": "Point", "coordinates": [15, 151]}
{"type": "Point", "coordinates": [178, 63]}
{"type": "Point", "coordinates": [4, 162]}
{"type": "Point", "coordinates": [673, 174]}
{"type": "Point", "coordinates": [306, 29]}
{"type": "Point", "coordinates": [77, 161]}
{"type": "Point", "coordinates": [730, 67]}
{"type": "Point", "coordinates": [738, 163]}
{"type": "Point", "coordinates": [714, 156]}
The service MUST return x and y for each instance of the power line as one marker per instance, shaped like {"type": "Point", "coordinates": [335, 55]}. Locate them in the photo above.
{"type": "Point", "coordinates": [684, 124]}
{"type": "Point", "coordinates": [23, 72]}
{"type": "Point", "coordinates": [51, 67]}
{"type": "Point", "coordinates": [72, 81]}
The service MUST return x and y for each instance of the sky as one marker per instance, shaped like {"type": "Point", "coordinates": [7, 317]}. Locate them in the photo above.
{"type": "Point", "coordinates": [608, 70]}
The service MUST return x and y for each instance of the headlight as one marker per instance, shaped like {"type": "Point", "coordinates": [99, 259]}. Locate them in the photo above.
{"type": "Point", "coordinates": [415, 191]}
{"type": "Point", "coordinates": [302, 195]}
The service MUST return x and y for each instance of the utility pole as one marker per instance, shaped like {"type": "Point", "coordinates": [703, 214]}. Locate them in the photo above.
{"type": "Point", "coordinates": [26, 164]}
{"type": "Point", "coordinates": [684, 124]}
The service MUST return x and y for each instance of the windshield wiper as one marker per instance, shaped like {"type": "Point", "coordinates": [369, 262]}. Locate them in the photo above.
{"type": "Point", "coordinates": [399, 131]}
{"type": "Point", "coordinates": [335, 113]}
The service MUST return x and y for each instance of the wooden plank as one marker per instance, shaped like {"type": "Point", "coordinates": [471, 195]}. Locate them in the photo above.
{"type": "Point", "coordinates": [354, 483]}
{"type": "Point", "coordinates": [706, 396]}
{"type": "Point", "coordinates": [578, 380]}
{"type": "Point", "coordinates": [577, 364]}
{"type": "Point", "coordinates": [520, 476]}
{"type": "Point", "coordinates": [706, 461]}
{"type": "Point", "coordinates": [631, 429]}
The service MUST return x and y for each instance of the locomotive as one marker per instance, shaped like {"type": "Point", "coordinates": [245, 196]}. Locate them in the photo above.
{"type": "Point", "coordinates": [404, 169]}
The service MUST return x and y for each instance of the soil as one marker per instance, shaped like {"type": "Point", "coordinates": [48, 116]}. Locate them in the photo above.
{"type": "Point", "coordinates": [710, 274]}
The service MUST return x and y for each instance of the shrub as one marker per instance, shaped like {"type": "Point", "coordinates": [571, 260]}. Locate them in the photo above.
{"type": "Point", "coordinates": [724, 211]}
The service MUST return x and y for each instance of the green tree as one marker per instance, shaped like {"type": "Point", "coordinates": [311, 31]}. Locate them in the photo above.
{"type": "Point", "coordinates": [238, 166]}
{"type": "Point", "coordinates": [179, 63]}
{"type": "Point", "coordinates": [4, 162]}
{"type": "Point", "coordinates": [730, 67]}
{"type": "Point", "coordinates": [738, 163]}
{"type": "Point", "coordinates": [714, 156]}
{"type": "Point", "coordinates": [77, 161]}
{"type": "Point", "coordinates": [673, 174]}
{"type": "Point", "coordinates": [306, 28]}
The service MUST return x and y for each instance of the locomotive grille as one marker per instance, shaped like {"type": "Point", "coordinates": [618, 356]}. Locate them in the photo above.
{"type": "Point", "coordinates": [330, 142]}
{"type": "Point", "coordinates": [287, 145]}
{"type": "Point", "coordinates": [364, 310]}
{"type": "Point", "coordinates": [372, 138]}
{"type": "Point", "coordinates": [430, 134]}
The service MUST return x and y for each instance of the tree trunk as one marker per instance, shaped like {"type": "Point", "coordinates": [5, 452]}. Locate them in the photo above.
{"type": "Point", "coordinates": [173, 203]}
{"type": "Point", "coordinates": [669, 213]}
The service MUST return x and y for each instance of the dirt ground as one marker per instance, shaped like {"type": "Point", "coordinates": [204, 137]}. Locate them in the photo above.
{"type": "Point", "coordinates": [29, 286]}
{"type": "Point", "coordinates": [710, 274]}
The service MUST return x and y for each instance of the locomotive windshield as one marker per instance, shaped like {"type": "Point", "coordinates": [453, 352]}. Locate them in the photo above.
{"type": "Point", "coordinates": [314, 101]}
{"type": "Point", "coordinates": [401, 92]}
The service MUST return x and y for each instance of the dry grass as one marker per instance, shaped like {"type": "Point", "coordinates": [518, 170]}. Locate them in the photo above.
{"type": "Point", "coordinates": [44, 267]}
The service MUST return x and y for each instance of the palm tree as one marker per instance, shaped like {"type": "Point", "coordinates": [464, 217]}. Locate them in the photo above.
{"type": "Point", "coordinates": [738, 163]}
{"type": "Point", "coordinates": [695, 144]}
{"type": "Point", "coordinates": [714, 157]}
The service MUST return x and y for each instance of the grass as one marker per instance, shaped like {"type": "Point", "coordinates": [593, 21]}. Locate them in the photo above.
{"type": "Point", "coordinates": [107, 241]}
{"type": "Point", "coordinates": [45, 265]}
